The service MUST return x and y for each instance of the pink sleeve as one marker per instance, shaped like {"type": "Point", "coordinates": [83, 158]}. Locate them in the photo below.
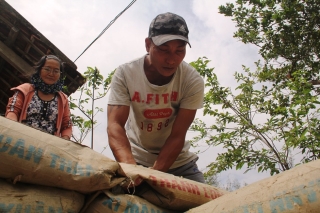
{"type": "Point", "coordinates": [66, 125]}
{"type": "Point", "coordinates": [15, 104]}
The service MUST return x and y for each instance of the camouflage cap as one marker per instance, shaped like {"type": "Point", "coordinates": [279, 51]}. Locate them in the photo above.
{"type": "Point", "coordinates": [166, 27]}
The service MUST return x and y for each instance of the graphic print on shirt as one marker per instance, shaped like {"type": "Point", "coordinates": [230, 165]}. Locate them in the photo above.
{"type": "Point", "coordinates": [151, 113]}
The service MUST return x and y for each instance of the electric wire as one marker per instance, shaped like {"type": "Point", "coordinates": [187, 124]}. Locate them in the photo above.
{"type": "Point", "coordinates": [105, 29]}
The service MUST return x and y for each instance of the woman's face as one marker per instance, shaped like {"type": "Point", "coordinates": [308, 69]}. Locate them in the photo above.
{"type": "Point", "coordinates": [50, 72]}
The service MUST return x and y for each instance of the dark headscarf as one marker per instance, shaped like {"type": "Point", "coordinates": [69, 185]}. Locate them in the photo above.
{"type": "Point", "coordinates": [39, 84]}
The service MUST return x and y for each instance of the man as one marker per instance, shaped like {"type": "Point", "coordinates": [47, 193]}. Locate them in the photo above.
{"type": "Point", "coordinates": [153, 101]}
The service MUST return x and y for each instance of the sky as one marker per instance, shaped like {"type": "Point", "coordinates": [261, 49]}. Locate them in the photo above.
{"type": "Point", "coordinates": [72, 25]}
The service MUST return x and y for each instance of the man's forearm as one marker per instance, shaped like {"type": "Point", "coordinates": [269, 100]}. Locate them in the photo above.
{"type": "Point", "coordinates": [120, 145]}
{"type": "Point", "coordinates": [168, 154]}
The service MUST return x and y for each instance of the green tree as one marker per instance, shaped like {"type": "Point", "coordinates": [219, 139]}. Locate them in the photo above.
{"type": "Point", "coordinates": [258, 125]}
{"type": "Point", "coordinates": [274, 111]}
{"type": "Point", "coordinates": [212, 180]}
{"type": "Point", "coordinates": [96, 87]}
{"type": "Point", "coordinates": [287, 33]}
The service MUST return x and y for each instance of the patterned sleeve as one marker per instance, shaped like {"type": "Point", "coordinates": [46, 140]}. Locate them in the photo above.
{"type": "Point", "coordinates": [15, 103]}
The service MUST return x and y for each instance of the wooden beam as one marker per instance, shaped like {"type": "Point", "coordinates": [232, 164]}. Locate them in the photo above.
{"type": "Point", "coordinates": [14, 76]}
{"type": "Point", "coordinates": [12, 58]}
{"type": "Point", "coordinates": [8, 23]}
{"type": "Point", "coordinates": [5, 83]}
{"type": "Point", "coordinates": [12, 36]}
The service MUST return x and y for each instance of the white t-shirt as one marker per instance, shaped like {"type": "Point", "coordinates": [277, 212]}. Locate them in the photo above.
{"type": "Point", "coordinates": [153, 108]}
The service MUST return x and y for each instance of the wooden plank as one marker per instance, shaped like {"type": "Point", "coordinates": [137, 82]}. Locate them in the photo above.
{"type": "Point", "coordinates": [12, 58]}
{"type": "Point", "coordinates": [12, 36]}
{"type": "Point", "coordinates": [4, 97]}
{"type": "Point", "coordinates": [14, 77]}
{"type": "Point", "coordinates": [8, 23]}
{"type": "Point", "coordinates": [5, 83]}
{"type": "Point", "coordinates": [4, 94]}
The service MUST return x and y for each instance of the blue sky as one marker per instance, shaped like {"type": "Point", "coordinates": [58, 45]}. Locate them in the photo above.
{"type": "Point", "coordinates": [73, 25]}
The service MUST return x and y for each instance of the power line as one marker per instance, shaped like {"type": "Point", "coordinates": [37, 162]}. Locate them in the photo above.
{"type": "Point", "coordinates": [131, 3]}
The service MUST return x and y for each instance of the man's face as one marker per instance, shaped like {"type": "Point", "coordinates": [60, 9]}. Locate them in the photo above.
{"type": "Point", "coordinates": [166, 57]}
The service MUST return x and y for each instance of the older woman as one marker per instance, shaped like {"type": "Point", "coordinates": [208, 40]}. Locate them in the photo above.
{"type": "Point", "coordinates": [42, 104]}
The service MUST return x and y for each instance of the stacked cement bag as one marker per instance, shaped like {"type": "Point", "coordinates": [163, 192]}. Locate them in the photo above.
{"type": "Point", "coordinates": [169, 191]}
{"type": "Point", "coordinates": [108, 202]}
{"type": "Point", "coordinates": [293, 191]}
{"type": "Point", "coordinates": [31, 156]}
{"type": "Point", "coordinates": [159, 192]}
{"type": "Point", "coordinates": [36, 158]}
{"type": "Point", "coordinates": [28, 198]}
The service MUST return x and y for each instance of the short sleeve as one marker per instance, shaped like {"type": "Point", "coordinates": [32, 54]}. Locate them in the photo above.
{"type": "Point", "coordinates": [119, 93]}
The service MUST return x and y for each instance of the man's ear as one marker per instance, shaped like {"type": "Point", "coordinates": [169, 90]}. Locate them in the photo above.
{"type": "Point", "coordinates": [148, 44]}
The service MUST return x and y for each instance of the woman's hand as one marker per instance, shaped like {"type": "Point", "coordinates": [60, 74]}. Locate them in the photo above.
{"type": "Point", "coordinates": [12, 116]}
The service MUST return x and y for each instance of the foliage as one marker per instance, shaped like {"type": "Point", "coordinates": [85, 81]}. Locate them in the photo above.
{"type": "Point", "coordinates": [287, 33]}
{"type": "Point", "coordinates": [95, 83]}
{"type": "Point", "coordinates": [273, 113]}
{"type": "Point", "coordinates": [258, 125]}
{"type": "Point", "coordinates": [212, 180]}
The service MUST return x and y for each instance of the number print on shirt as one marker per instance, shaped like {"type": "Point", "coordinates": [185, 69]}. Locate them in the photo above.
{"type": "Point", "coordinates": [149, 126]}
{"type": "Point", "coordinates": [157, 106]}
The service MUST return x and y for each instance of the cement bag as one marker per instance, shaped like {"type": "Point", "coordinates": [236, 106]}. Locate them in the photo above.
{"type": "Point", "coordinates": [293, 191]}
{"type": "Point", "coordinates": [31, 156]}
{"type": "Point", "coordinates": [29, 198]}
{"type": "Point", "coordinates": [169, 191]}
{"type": "Point", "coordinates": [107, 202]}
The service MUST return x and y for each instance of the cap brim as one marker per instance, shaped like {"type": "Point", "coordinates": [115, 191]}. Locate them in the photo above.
{"type": "Point", "coordinates": [161, 39]}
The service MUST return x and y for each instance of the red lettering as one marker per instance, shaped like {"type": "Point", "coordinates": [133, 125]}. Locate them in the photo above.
{"type": "Point", "coordinates": [214, 194]}
{"type": "Point", "coordinates": [206, 193]}
{"type": "Point", "coordinates": [149, 98]}
{"type": "Point", "coordinates": [154, 180]}
{"type": "Point", "coordinates": [174, 96]}
{"type": "Point", "coordinates": [185, 186]}
{"type": "Point", "coordinates": [195, 189]}
{"type": "Point", "coordinates": [149, 128]}
{"type": "Point", "coordinates": [136, 97]}
{"type": "Point", "coordinates": [164, 183]}
{"type": "Point", "coordinates": [156, 97]}
{"type": "Point", "coordinates": [175, 184]}
{"type": "Point", "coordinates": [165, 98]}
